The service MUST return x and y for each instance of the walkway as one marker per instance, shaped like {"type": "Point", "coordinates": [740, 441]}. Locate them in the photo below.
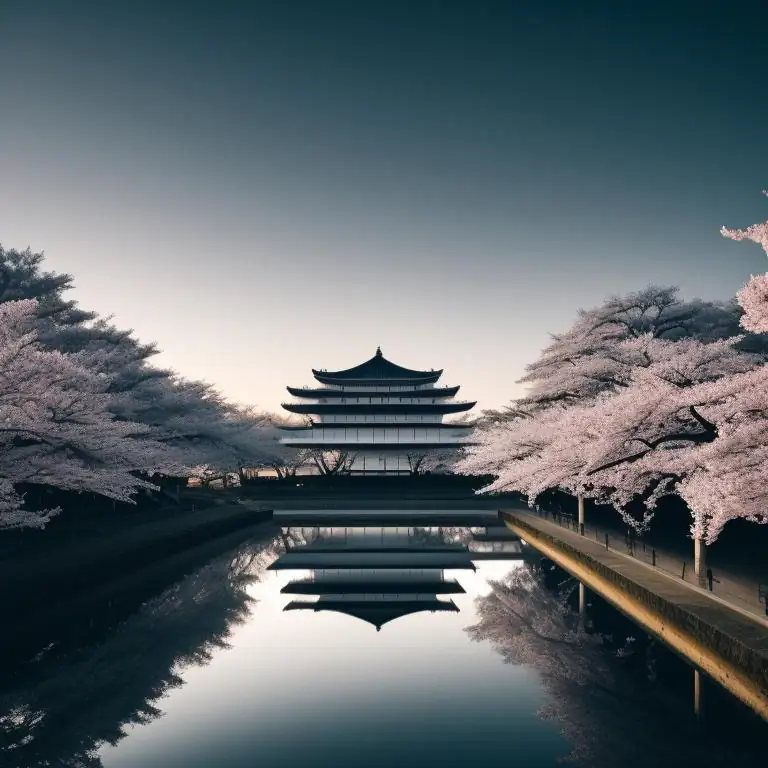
{"type": "Point", "coordinates": [721, 638]}
{"type": "Point", "coordinates": [658, 580]}
{"type": "Point", "coordinates": [738, 590]}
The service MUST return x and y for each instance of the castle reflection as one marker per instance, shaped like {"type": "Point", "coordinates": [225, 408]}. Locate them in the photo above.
{"type": "Point", "coordinates": [378, 573]}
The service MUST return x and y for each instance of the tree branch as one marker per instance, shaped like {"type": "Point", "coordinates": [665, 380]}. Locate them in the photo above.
{"type": "Point", "coordinates": [692, 437]}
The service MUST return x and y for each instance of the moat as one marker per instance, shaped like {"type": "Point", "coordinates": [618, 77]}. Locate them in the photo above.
{"type": "Point", "coordinates": [374, 644]}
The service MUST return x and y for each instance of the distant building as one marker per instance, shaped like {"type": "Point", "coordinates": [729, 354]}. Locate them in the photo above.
{"type": "Point", "coordinates": [388, 418]}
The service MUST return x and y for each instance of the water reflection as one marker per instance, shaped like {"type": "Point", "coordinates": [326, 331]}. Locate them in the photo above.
{"type": "Point", "coordinates": [72, 705]}
{"type": "Point", "coordinates": [601, 673]}
{"type": "Point", "coordinates": [279, 637]}
{"type": "Point", "coordinates": [375, 574]}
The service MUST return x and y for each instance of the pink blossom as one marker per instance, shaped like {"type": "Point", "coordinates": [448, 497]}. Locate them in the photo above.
{"type": "Point", "coordinates": [56, 428]}
{"type": "Point", "coordinates": [688, 414]}
{"type": "Point", "coordinates": [757, 233]}
{"type": "Point", "coordinates": [753, 298]}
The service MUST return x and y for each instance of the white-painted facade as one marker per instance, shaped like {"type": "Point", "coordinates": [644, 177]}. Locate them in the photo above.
{"type": "Point", "coordinates": [385, 432]}
{"type": "Point", "coordinates": [387, 436]}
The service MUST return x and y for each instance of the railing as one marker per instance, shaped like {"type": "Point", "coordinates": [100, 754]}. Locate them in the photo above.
{"type": "Point", "coordinates": [750, 595]}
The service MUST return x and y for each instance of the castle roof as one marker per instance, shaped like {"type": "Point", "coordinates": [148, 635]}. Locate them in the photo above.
{"type": "Point", "coordinates": [377, 369]}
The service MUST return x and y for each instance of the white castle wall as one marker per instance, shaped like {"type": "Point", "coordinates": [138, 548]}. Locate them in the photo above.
{"type": "Point", "coordinates": [390, 456]}
{"type": "Point", "coordinates": [393, 435]}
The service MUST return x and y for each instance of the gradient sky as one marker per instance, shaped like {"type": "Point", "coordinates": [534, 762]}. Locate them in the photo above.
{"type": "Point", "coordinates": [262, 188]}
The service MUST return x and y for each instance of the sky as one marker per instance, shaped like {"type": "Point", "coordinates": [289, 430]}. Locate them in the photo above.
{"type": "Point", "coordinates": [263, 188]}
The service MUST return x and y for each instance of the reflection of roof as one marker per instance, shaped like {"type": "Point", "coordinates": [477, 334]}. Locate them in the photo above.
{"type": "Point", "coordinates": [330, 586]}
{"type": "Point", "coordinates": [496, 555]}
{"type": "Point", "coordinates": [378, 368]}
{"type": "Point", "coordinates": [313, 559]}
{"type": "Point", "coordinates": [374, 536]}
{"type": "Point", "coordinates": [496, 533]}
{"type": "Point", "coordinates": [376, 612]}
{"type": "Point", "coordinates": [371, 545]}
{"type": "Point", "coordinates": [391, 445]}
{"type": "Point", "coordinates": [377, 427]}
{"type": "Point", "coordinates": [386, 518]}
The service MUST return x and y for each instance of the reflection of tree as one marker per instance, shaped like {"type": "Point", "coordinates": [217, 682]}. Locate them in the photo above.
{"type": "Point", "coordinates": [530, 624]}
{"type": "Point", "coordinates": [609, 715]}
{"type": "Point", "coordinates": [65, 715]}
{"type": "Point", "coordinates": [455, 535]}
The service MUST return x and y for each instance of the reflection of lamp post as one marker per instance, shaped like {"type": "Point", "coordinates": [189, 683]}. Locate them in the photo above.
{"type": "Point", "coordinates": [697, 693]}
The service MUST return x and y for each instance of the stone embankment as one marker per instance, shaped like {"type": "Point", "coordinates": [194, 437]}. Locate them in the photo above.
{"type": "Point", "coordinates": [726, 642]}
{"type": "Point", "coordinates": [31, 580]}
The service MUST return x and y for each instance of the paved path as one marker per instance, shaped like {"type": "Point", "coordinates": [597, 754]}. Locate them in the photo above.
{"type": "Point", "coordinates": [735, 618]}
{"type": "Point", "coordinates": [740, 590]}
{"type": "Point", "coordinates": [721, 638]}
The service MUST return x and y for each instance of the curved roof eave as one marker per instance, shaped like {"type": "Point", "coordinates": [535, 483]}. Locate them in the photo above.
{"type": "Point", "coordinates": [385, 408]}
{"type": "Point", "coordinates": [378, 616]}
{"type": "Point", "coordinates": [324, 378]}
{"type": "Point", "coordinates": [318, 392]}
{"type": "Point", "coordinates": [376, 367]}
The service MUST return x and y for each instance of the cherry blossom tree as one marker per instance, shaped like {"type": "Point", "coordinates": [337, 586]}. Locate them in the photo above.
{"type": "Point", "coordinates": [57, 429]}
{"type": "Point", "coordinates": [239, 438]}
{"type": "Point", "coordinates": [753, 297]}
{"type": "Point", "coordinates": [331, 462]}
{"type": "Point", "coordinates": [532, 455]}
{"type": "Point", "coordinates": [493, 416]}
{"type": "Point", "coordinates": [695, 414]}
{"type": "Point", "coordinates": [544, 447]}
{"type": "Point", "coordinates": [21, 277]}
{"type": "Point", "coordinates": [190, 417]}
{"type": "Point", "coordinates": [587, 360]}
{"type": "Point", "coordinates": [440, 461]}
{"type": "Point", "coordinates": [705, 443]}
{"type": "Point", "coordinates": [283, 459]}
{"type": "Point", "coordinates": [689, 413]}
{"type": "Point", "coordinates": [757, 233]}
{"type": "Point", "coordinates": [595, 358]}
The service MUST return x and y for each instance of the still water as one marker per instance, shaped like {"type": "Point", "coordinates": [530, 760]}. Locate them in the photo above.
{"type": "Point", "coordinates": [336, 645]}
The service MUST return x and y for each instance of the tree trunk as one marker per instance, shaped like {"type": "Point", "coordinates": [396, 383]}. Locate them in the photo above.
{"type": "Point", "coordinates": [700, 560]}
